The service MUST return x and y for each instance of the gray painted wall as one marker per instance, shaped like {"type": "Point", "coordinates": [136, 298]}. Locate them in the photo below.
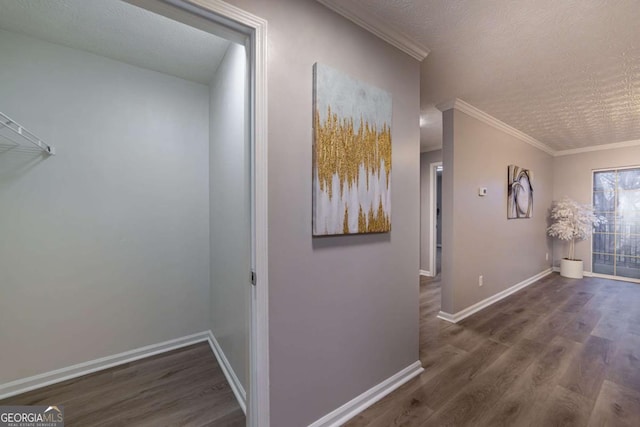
{"type": "Point", "coordinates": [230, 211]}
{"type": "Point", "coordinates": [103, 247]}
{"type": "Point", "coordinates": [425, 194]}
{"type": "Point", "coordinates": [343, 310]}
{"type": "Point", "coordinates": [477, 237]}
{"type": "Point", "coordinates": [572, 177]}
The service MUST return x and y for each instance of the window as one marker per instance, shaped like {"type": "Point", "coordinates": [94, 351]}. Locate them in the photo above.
{"type": "Point", "coordinates": [616, 244]}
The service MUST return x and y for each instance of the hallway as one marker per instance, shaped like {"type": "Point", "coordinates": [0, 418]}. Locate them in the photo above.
{"type": "Point", "coordinates": [560, 352]}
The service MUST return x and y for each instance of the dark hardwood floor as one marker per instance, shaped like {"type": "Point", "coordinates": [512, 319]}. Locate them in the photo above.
{"type": "Point", "coordinates": [562, 352]}
{"type": "Point", "coordinates": [184, 387]}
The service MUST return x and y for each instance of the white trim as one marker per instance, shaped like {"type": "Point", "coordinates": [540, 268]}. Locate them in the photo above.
{"type": "Point", "coordinates": [367, 21]}
{"type": "Point", "coordinates": [610, 168]}
{"type": "Point", "coordinates": [426, 273]}
{"type": "Point", "coordinates": [476, 113]}
{"type": "Point", "coordinates": [360, 403]}
{"type": "Point", "coordinates": [259, 385]}
{"type": "Point", "coordinates": [229, 373]}
{"type": "Point", "coordinates": [52, 377]}
{"type": "Point", "coordinates": [618, 278]}
{"type": "Point", "coordinates": [433, 232]}
{"type": "Point", "coordinates": [463, 314]}
{"type": "Point", "coordinates": [447, 317]}
{"type": "Point", "coordinates": [612, 146]}
{"type": "Point", "coordinates": [607, 276]}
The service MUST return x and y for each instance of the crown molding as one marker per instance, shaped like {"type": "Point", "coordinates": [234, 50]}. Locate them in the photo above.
{"type": "Point", "coordinates": [612, 146]}
{"type": "Point", "coordinates": [474, 112]}
{"type": "Point", "coordinates": [380, 29]}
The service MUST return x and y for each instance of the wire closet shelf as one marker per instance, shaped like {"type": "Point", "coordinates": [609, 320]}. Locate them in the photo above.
{"type": "Point", "coordinates": [15, 127]}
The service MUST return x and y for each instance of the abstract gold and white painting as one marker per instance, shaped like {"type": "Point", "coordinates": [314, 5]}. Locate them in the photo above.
{"type": "Point", "coordinates": [351, 156]}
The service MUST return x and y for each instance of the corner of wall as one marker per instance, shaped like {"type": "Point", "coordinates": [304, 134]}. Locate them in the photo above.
{"type": "Point", "coordinates": [482, 252]}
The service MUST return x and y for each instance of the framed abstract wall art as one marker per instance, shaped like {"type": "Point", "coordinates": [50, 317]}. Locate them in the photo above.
{"type": "Point", "coordinates": [519, 192]}
{"type": "Point", "coordinates": [351, 155]}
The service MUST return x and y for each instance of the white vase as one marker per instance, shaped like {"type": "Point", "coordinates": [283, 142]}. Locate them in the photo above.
{"type": "Point", "coordinates": [571, 268]}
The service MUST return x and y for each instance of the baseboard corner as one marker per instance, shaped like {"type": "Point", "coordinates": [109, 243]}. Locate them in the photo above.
{"type": "Point", "coordinates": [447, 317]}
{"type": "Point", "coordinates": [352, 408]}
{"type": "Point", "coordinates": [464, 313]}
{"type": "Point", "coordinates": [237, 388]}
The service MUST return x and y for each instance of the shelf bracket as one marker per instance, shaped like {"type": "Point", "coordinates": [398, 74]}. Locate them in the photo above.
{"type": "Point", "coordinates": [17, 128]}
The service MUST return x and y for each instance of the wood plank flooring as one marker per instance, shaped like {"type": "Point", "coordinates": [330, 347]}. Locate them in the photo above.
{"type": "Point", "coordinates": [560, 352]}
{"type": "Point", "coordinates": [184, 387]}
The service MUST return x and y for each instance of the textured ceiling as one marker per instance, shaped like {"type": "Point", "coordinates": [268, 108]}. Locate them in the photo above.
{"type": "Point", "coordinates": [565, 72]}
{"type": "Point", "coordinates": [119, 31]}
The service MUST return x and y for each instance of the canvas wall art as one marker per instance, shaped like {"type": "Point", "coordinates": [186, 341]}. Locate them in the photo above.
{"type": "Point", "coordinates": [519, 193]}
{"type": "Point", "coordinates": [351, 155]}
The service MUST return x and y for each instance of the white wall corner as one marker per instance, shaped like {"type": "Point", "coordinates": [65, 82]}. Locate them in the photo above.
{"type": "Point", "coordinates": [352, 408]}
{"type": "Point", "coordinates": [463, 314]}
{"type": "Point", "coordinates": [476, 113]}
{"type": "Point", "coordinates": [426, 273]}
{"type": "Point", "coordinates": [364, 19]}
{"type": "Point", "coordinates": [24, 385]}
{"type": "Point", "coordinates": [229, 373]}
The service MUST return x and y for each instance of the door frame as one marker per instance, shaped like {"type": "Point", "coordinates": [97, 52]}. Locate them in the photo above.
{"type": "Point", "coordinates": [433, 241]}
{"type": "Point", "coordinates": [245, 28]}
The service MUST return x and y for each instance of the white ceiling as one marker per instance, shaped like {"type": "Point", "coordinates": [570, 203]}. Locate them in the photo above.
{"type": "Point", "coordinates": [119, 31]}
{"type": "Point", "coordinates": [566, 73]}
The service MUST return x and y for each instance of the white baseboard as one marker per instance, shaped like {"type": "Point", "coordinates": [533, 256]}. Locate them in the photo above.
{"type": "Point", "coordinates": [52, 377]}
{"type": "Point", "coordinates": [369, 397]}
{"type": "Point", "coordinates": [463, 314]}
{"type": "Point", "coordinates": [448, 317]}
{"type": "Point", "coordinates": [584, 273]}
{"type": "Point", "coordinates": [426, 273]}
{"type": "Point", "coordinates": [229, 373]}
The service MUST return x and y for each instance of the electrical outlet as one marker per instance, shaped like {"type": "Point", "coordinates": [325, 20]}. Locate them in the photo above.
{"type": "Point", "coordinates": [480, 280]}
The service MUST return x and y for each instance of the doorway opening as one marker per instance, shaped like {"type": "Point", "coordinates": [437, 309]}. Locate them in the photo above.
{"type": "Point", "coordinates": [119, 218]}
{"type": "Point", "coordinates": [436, 219]}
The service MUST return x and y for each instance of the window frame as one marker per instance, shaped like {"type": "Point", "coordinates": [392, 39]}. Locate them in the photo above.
{"type": "Point", "coordinates": [615, 170]}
